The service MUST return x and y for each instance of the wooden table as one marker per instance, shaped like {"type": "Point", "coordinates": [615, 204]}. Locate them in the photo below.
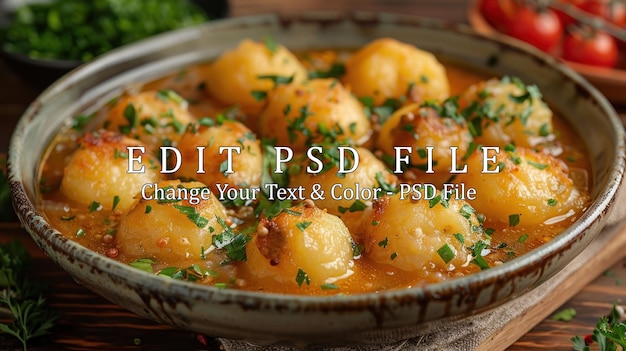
{"type": "Point", "coordinates": [90, 322]}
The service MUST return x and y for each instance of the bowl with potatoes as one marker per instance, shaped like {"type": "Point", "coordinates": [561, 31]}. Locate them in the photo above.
{"type": "Point", "coordinates": [316, 180]}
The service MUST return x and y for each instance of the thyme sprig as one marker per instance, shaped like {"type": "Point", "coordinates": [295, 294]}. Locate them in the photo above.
{"type": "Point", "coordinates": [22, 298]}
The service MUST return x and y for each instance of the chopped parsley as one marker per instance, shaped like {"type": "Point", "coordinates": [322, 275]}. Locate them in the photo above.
{"type": "Point", "coordinates": [446, 253]}
{"type": "Point", "coordinates": [192, 215]}
{"type": "Point", "coordinates": [383, 185]}
{"type": "Point", "coordinates": [297, 125]}
{"type": "Point", "coordinates": [477, 250]}
{"type": "Point", "coordinates": [276, 79]}
{"type": "Point", "coordinates": [383, 243]}
{"type": "Point", "coordinates": [434, 201]}
{"type": "Point", "coordinates": [303, 225]}
{"type": "Point", "coordinates": [234, 243]}
{"type": "Point", "coordinates": [259, 95]}
{"type": "Point", "coordinates": [357, 249]}
{"type": "Point", "coordinates": [356, 206]}
{"type": "Point", "coordinates": [94, 206]}
{"type": "Point", "coordinates": [192, 273]}
{"type": "Point", "coordinates": [564, 315]}
{"type": "Point", "coordinates": [467, 211]}
{"type": "Point", "coordinates": [335, 71]}
{"type": "Point", "coordinates": [270, 44]}
{"type": "Point", "coordinates": [79, 122]}
{"type": "Point", "coordinates": [168, 94]}
{"type": "Point", "coordinates": [540, 166]}
{"type": "Point", "coordinates": [292, 212]}
{"type": "Point", "coordinates": [131, 116]}
{"type": "Point", "coordinates": [302, 277]}
{"type": "Point", "coordinates": [522, 239]}
{"type": "Point", "coordinates": [144, 264]}
{"type": "Point", "coordinates": [459, 237]}
{"type": "Point", "coordinates": [116, 201]}
{"type": "Point", "coordinates": [514, 219]}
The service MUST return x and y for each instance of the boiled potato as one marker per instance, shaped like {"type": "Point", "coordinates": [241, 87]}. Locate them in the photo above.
{"type": "Point", "coordinates": [387, 68]}
{"type": "Point", "coordinates": [97, 171]}
{"type": "Point", "coordinates": [417, 236]}
{"type": "Point", "coordinates": [154, 117]}
{"type": "Point", "coordinates": [341, 191]}
{"type": "Point", "coordinates": [303, 240]}
{"type": "Point", "coordinates": [419, 127]}
{"type": "Point", "coordinates": [236, 74]}
{"type": "Point", "coordinates": [507, 112]}
{"type": "Point", "coordinates": [314, 111]}
{"type": "Point", "coordinates": [530, 188]}
{"type": "Point", "coordinates": [246, 166]}
{"type": "Point", "coordinates": [170, 231]}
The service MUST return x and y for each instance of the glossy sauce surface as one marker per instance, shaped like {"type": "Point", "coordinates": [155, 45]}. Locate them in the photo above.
{"type": "Point", "coordinates": [96, 229]}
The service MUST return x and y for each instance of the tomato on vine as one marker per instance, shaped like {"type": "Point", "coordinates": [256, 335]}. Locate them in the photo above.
{"type": "Point", "coordinates": [498, 12]}
{"type": "Point", "coordinates": [589, 46]}
{"type": "Point", "coordinates": [539, 27]}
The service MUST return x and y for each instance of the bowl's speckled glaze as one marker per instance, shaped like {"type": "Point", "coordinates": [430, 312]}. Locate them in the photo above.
{"type": "Point", "coordinates": [302, 320]}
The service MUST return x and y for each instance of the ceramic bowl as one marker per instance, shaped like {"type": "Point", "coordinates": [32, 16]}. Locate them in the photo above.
{"type": "Point", "coordinates": [304, 320]}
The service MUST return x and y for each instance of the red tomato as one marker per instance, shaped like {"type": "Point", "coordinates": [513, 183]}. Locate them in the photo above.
{"type": "Point", "coordinates": [612, 11]}
{"type": "Point", "coordinates": [497, 12]}
{"type": "Point", "coordinates": [541, 29]}
{"type": "Point", "coordinates": [590, 47]}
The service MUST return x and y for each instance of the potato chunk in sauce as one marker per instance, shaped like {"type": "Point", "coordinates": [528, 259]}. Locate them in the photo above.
{"type": "Point", "coordinates": [258, 178]}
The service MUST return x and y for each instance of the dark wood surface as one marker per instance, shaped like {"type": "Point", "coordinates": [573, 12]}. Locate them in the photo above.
{"type": "Point", "coordinates": [90, 322]}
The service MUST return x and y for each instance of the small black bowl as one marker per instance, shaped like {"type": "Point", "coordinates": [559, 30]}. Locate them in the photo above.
{"type": "Point", "coordinates": [38, 72]}
{"type": "Point", "coordinates": [42, 72]}
{"type": "Point", "coordinates": [214, 8]}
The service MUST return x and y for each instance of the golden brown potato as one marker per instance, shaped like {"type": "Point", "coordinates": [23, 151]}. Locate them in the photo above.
{"type": "Point", "coordinates": [314, 111]}
{"type": "Point", "coordinates": [170, 231]}
{"type": "Point", "coordinates": [342, 191]}
{"type": "Point", "coordinates": [302, 245]}
{"type": "Point", "coordinates": [246, 166]}
{"type": "Point", "coordinates": [236, 74]}
{"type": "Point", "coordinates": [387, 68]}
{"type": "Point", "coordinates": [531, 188]}
{"type": "Point", "coordinates": [97, 171]}
{"type": "Point", "coordinates": [420, 127]}
{"type": "Point", "coordinates": [417, 236]}
{"type": "Point", "coordinates": [154, 117]}
{"type": "Point", "coordinates": [505, 111]}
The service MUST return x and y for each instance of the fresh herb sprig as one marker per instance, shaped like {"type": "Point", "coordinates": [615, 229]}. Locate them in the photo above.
{"type": "Point", "coordinates": [22, 298]}
{"type": "Point", "coordinates": [81, 30]}
{"type": "Point", "coordinates": [609, 334]}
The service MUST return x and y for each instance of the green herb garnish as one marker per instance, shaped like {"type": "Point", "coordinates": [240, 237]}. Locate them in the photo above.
{"type": "Point", "coordinates": [446, 253]}
{"type": "Point", "coordinates": [303, 225]}
{"type": "Point", "coordinates": [192, 215]}
{"type": "Point", "coordinates": [302, 277]}
{"type": "Point", "coordinates": [514, 219]}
